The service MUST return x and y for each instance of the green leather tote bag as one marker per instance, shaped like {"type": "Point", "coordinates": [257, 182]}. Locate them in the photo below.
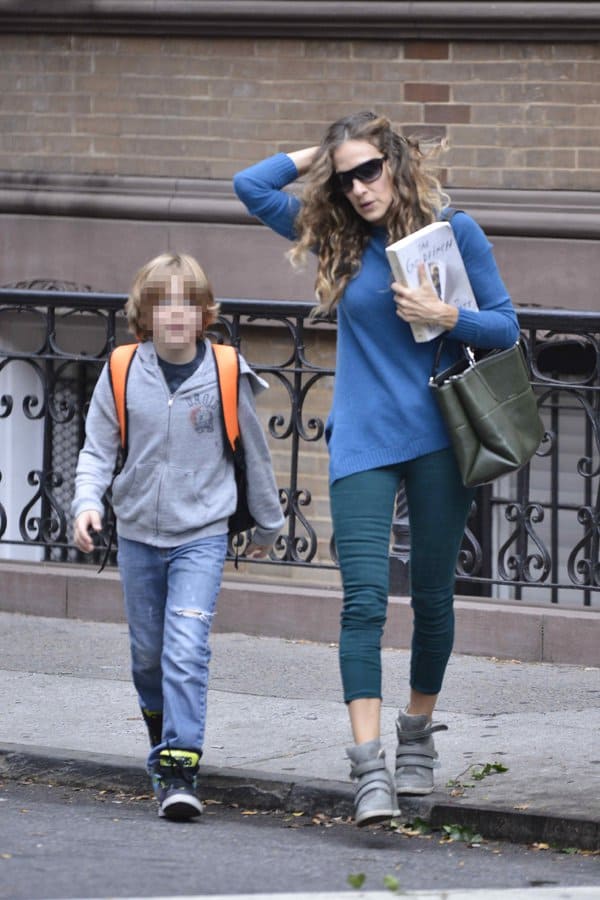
{"type": "Point", "coordinates": [491, 413]}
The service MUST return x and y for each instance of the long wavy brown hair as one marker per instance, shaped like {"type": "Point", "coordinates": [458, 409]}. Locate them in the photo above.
{"type": "Point", "coordinates": [327, 222]}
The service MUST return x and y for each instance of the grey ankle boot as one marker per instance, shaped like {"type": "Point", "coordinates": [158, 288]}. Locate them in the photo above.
{"type": "Point", "coordinates": [375, 797]}
{"type": "Point", "coordinates": [416, 756]}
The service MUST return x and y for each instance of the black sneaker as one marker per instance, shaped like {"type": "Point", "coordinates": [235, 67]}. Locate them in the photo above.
{"type": "Point", "coordinates": [174, 784]}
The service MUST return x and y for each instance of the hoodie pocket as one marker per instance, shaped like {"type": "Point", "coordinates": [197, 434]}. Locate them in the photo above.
{"type": "Point", "coordinates": [134, 493]}
{"type": "Point", "coordinates": [191, 499]}
{"type": "Point", "coordinates": [177, 502]}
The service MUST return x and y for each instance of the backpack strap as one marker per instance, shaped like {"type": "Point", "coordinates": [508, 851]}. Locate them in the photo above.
{"type": "Point", "coordinates": [228, 370]}
{"type": "Point", "coordinates": [119, 363]}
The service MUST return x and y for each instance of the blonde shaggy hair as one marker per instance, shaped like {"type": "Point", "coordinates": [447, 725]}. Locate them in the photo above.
{"type": "Point", "coordinates": [151, 286]}
{"type": "Point", "coordinates": [328, 223]}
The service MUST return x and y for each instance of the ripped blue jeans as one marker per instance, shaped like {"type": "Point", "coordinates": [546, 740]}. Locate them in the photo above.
{"type": "Point", "coordinates": [170, 597]}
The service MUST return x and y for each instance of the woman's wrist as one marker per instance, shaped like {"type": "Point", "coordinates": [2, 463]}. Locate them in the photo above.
{"type": "Point", "coordinates": [303, 159]}
{"type": "Point", "coordinates": [448, 317]}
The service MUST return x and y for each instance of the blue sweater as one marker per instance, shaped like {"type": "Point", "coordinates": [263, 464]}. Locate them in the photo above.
{"type": "Point", "coordinates": [383, 410]}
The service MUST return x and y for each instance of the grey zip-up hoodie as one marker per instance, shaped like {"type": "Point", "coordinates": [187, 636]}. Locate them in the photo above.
{"type": "Point", "coordinates": [178, 482]}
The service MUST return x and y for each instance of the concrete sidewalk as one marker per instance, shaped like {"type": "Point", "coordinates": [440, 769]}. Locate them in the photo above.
{"type": "Point", "coordinates": [277, 728]}
{"type": "Point", "coordinates": [561, 893]}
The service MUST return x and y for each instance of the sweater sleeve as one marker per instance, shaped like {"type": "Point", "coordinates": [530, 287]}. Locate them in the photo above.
{"type": "Point", "coordinates": [96, 461]}
{"type": "Point", "coordinates": [263, 495]}
{"type": "Point", "coordinates": [260, 188]}
{"type": "Point", "coordinates": [495, 323]}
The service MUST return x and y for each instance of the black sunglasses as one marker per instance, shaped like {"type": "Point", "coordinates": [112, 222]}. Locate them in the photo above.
{"type": "Point", "coordinates": [366, 173]}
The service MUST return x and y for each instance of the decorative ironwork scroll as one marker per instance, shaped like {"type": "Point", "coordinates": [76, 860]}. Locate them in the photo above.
{"type": "Point", "coordinates": [533, 536]}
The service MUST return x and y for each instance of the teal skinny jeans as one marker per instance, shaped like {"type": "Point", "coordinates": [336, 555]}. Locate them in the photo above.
{"type": "Point", "coordinates": [362, 507]}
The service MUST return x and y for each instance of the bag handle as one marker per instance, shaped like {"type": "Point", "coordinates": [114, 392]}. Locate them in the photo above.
{"type": "Point", "coordinates": [467, 352]}
{"type": "Point", "coordinates": [446, 215]}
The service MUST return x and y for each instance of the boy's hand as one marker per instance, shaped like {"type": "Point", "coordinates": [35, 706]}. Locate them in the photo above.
{"type": "Point", "coordinates": [87, 519]}
{"type": "Point", "coordinates": [257, 551]}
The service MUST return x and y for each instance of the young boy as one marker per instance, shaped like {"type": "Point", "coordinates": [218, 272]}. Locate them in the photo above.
{"type": "Point", "coordinates": [172, 500]}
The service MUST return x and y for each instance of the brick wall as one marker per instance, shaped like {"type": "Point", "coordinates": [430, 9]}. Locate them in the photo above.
{"type": "Point", "coordinates": [518, 115]}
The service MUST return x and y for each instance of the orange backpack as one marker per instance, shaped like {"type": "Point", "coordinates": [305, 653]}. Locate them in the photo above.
{"type": "Point", "coordinates": [228, 372]}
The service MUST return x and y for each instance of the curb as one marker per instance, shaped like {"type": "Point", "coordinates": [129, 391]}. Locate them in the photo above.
{"type": "Point", "coordinates": [260, 790]}
{"type": "Point", "coordinates": [245, 787]}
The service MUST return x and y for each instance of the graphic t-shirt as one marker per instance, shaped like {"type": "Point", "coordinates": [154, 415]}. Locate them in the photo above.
{"type": "Point", "coordinates": [176, 373]}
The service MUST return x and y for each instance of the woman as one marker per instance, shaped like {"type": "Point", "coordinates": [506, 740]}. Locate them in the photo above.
{"type": "Point", "coordinates": [368, 186]}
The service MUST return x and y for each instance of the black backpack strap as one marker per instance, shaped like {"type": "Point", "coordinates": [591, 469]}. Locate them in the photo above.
{"type": "Point", "coordinates": [119, 365]}
{"type": "Point", "coordinates": [446, 215]}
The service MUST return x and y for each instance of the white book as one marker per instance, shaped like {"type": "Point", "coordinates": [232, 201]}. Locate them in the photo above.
{"type": "Point", "coordinates": [436, 247]}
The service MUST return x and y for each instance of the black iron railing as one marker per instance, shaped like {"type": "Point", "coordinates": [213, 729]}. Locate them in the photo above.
{"type": "Point", "coordinates": [532, 536]}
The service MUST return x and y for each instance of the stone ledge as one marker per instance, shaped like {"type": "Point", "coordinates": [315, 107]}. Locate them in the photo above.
{"type": "Point", "coordinates": [391, 19]}
{"type": "Point", "coordinates": [524, 213]}
{"type": "Point", "coordinates": [503, 630]}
